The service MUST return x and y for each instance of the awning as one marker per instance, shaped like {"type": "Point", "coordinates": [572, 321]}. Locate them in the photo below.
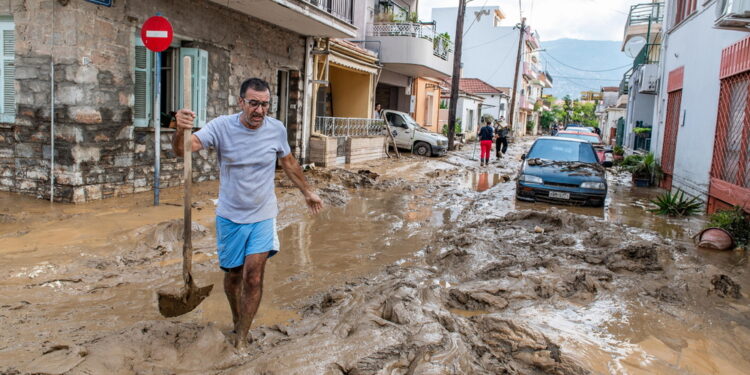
{"type": "Point", "coordinates": [351, 64]}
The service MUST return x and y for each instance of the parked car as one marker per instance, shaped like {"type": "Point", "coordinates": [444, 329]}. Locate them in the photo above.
{"type": "Point", "coordinates": [408, 134]}
{"type": "Point", "coordinates": [562, 170]}
{"type": "Point", "coordinates": [603, 152]}
{"type": "Point", "coordinates": [579, 127]}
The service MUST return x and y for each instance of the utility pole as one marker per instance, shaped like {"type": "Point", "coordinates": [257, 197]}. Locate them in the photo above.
{"type": "Point", "coordinates": [512, 117]}
{"type": "Point", "coordinates": [456, 79]}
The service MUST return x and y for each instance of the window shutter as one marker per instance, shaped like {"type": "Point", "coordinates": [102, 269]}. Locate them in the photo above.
{"type": "Point", "coordinates": [142, 108]}
{"type": "Point", "coordinates": [199, 82]}
{"type": "Point", "coordinates": [202, 87]}
{"type": "Point", "coordinates": [8, 72]}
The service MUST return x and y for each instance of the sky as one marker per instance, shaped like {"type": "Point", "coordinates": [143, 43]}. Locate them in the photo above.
{"type": "Point", "coordinates": [555, 19]}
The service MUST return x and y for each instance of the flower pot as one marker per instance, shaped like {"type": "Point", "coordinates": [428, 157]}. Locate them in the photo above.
{"type": "Point", "coordinates": [714, 238]}
{"type": "Point", "coordinates": [641, 181]}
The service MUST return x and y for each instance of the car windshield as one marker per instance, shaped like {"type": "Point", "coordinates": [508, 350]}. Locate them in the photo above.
{"type": "Point", "coordinates": [401, 120]}
{"type": "Point", "coordinates": [562, 150]}
{"type": "Point", "coordinates": [584, 137]}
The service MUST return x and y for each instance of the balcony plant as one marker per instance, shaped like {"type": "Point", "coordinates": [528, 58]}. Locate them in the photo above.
{"type": "Point", "coordinates": [642, 132]}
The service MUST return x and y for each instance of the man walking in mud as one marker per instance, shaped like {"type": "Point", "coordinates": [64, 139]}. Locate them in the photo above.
{"type": "Point", "coordinates": [248, 145]}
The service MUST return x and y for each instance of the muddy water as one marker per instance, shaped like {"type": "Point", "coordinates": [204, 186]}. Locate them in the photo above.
{"type": "Point", "coordinates": [342, 244]}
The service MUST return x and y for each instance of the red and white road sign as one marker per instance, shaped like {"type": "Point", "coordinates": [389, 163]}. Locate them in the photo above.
{"type": "Point", "coordinates": [156, 33]}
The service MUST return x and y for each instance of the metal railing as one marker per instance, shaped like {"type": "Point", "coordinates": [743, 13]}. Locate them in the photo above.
{"type": "Point", "coordinates": [341, 9]}
{"type": "Point", "coordinates": [642, 14]}
{"type": "Point", "coordinates": [349, 126]}
{"type": "Point", "coordinates": [441, 46]}
{"type": "Point", "coordinates": [625, 83]}
{"type": "Point", "coordinates": [650, 54]}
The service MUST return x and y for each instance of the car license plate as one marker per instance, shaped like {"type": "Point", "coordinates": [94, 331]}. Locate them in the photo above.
{"type": "Point", "coordinates": [559, 195]}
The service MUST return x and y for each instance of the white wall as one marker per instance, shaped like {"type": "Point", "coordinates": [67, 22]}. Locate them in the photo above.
{"type": "Point", "coordinates": [697, 46]}
{"type": "Point", "coordinates": [492, 100]}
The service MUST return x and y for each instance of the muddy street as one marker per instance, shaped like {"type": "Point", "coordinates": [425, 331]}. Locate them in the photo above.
{"type": "Point", "coordinates": [417, 266]}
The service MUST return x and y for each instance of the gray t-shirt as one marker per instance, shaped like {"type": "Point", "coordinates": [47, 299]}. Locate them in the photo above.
{"type": "Point", "coordinates": [247, 159]}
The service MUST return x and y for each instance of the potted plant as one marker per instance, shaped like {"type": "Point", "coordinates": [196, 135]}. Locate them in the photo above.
{"type": "Point", "coordinates": [618, 153]}
{"type": "Point", "coordinates": [645, 170]}
{"type": "Point", "coordinates": [725, 230]}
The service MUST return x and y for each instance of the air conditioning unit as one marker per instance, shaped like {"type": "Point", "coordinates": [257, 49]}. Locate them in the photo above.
{"type": "Point", "coordinates": [649, 79]}
{"type": "Point", "coordinates": [732, 14]}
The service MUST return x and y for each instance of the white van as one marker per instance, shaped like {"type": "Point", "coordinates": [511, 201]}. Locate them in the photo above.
{"type": "Point", "coordinates": [410, 135]}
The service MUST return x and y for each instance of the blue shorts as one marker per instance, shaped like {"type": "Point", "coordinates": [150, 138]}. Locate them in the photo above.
{"type": "Point", "coordinates": [236, 241]}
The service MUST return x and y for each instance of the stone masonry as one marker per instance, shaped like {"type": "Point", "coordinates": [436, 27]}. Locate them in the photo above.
{"type": "Point", "coordinates": [98, 151]}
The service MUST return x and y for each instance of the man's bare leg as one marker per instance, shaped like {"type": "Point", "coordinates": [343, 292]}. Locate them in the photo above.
{"type": "Point", "coordinates": [252, 291]}
{"type": "Point", "coordinates": [232, 288]}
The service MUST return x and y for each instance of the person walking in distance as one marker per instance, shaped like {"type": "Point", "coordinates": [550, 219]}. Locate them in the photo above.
{"type": "Point", "coordinates": [248, 145]}
{"type": "Point", "coordinates": [486, 134]}
{"type": "Point", "coordinates": [501, 140]}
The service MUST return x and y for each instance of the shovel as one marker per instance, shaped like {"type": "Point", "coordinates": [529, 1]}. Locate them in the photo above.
{"type": "Point", "coordinates": [171, 305]}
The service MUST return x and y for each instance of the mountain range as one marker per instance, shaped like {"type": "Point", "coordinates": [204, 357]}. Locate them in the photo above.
{"type": "Point", "coordinates": [583, 65]}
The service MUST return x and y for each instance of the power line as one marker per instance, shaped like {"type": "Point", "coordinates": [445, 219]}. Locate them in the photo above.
{"type": "Point", "coordinates": [512, 32]}
{"type": "Point", "coordinates": [476, 17]}
{"type": "Point", "coordinates": [586, 70]}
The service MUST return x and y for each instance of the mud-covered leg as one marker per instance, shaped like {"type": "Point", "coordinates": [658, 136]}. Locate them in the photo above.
{"type": "Point", "coordinates": [252, 291]}
{"type": "Point", "coordinates": [233, 288]}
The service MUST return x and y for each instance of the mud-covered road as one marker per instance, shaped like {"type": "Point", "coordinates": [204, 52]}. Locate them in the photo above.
{"type": "Point", "coordinates": [417, 266]}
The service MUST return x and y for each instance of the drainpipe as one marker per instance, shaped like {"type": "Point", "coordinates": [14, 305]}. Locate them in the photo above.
{"type": "Point", "coordinates": [52, 131]}
{"type": "Point", "coordinates": [308, 103]}
{"type": "Point", "coordinates": [52, 111]}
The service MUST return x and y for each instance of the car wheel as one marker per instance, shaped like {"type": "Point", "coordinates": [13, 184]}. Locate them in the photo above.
{"type": "Point", "coordinates": [422, 149]}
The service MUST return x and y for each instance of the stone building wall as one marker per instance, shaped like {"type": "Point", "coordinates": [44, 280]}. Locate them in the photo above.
{"type": "Point", "coordinates": [98, 151]}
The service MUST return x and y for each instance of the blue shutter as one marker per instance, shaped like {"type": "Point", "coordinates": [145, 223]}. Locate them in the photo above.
{"type": "Point", "coordinates": [199, 79]}
{"type": "Point", "coordinates": [143, 88]}
{"type": "Point", "coordinates": [8, 71]}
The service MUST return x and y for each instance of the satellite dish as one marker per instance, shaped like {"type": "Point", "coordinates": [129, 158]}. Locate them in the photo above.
{"type": "Point", "coordinates": [634, 46]}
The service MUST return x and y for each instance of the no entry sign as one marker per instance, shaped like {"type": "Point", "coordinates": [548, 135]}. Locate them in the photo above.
{"type": "Point", "coordinates": [156, 33]}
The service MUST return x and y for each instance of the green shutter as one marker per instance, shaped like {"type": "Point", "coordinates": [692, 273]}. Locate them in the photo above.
{"type": "Point", "coordinates": [8, 72]}
{"type": "Point", "coordinates": [143, 106]}
{"type": "Point", "coordinates": [199, 80]}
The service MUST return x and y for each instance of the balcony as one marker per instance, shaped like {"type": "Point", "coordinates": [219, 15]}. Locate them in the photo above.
{"type": "Point", "coordinates": [625, 83]}
{"type": "Point", "coordinates": [644, 20]}
{"type": "Point", "coordinates": [532, 39]}
{"type": "Point", "coordinates": [413, 49]}
{"type": "Point", "coordinates": [322, 18]}
{"type": "Point", "coordinates": [528, 71]}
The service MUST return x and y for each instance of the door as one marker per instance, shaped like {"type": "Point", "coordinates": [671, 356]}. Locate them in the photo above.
{"type": "Point", "coordinates": [400, 129]}
{"type": "Point", "coordinates": [669, 144]}
{"type": "Point", "coordinates": [280, 101]}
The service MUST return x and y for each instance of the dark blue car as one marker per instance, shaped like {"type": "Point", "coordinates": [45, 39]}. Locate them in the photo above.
{"type": "Point", "coordinates": [562, 170]}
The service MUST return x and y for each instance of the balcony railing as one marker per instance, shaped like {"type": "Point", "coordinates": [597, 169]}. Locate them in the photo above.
{"type": "Point", "coordinates": [442, 46]}
{"type": "Point", "coordinates": [341, 9]}
{"type": "Point", "coordinates": [642, 14]}
{"type": "Point", "coordinates": [349, 126]}
{"type": "Point", "coordinates": [650, 54]}
{"type": "Point", "coordinates": [624, 84]}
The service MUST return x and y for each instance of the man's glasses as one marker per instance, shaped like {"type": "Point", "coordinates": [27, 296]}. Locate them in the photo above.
{"type": "Point", "coordinates": [255, 103]}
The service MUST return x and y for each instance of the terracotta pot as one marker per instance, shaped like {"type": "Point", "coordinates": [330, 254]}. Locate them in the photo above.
{"type": "Point", "coordinates": [714, 238]}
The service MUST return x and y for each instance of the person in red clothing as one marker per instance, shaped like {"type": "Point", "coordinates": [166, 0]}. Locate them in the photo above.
{"type": "Point", "coordinates": [486, 134]}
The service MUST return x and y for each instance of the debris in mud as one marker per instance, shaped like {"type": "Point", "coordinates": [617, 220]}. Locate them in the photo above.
{"type": "Point", "coordinates": [725, 286]}
{"type": "Point", "coordinates": [368, 173]}
{"type": "Point", "coordinates": [334, 195]}
{"type": "Point", "coordinates": [167, 236]}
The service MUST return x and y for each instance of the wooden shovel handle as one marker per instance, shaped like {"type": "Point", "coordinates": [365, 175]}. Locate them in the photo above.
{"type": "Point", "coordinates": [187, 248]}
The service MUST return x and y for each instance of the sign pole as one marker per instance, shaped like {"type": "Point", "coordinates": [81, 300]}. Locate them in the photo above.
{"type": "Point", "coordinates": [157, 129]}
{"type": "Point", "coordinates": [156, 35]}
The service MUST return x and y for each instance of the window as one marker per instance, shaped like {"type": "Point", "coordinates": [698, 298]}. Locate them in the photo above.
{"type": "Point", "coordinates": [429, 105]}
{"type": "Point", "coordinates": [8, 70]}
{"type": "Point", "coordinates": [683, 9]}
{"type": "Point", "coordinates": [171, 83]}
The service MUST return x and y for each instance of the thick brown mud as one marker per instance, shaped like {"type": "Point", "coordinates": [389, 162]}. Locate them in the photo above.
{"type": "Point", "coordinates": [416, 267]}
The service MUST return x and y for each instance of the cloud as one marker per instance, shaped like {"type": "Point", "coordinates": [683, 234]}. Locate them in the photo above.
{"type": "Point", "coordinates": [556, 19]}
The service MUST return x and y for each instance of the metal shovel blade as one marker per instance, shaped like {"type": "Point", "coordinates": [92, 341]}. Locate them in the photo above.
{"type": "Point", "coordinates": [171, 305]}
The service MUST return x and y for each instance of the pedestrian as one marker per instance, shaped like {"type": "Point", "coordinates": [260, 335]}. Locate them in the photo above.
{"type": "Point", "coordinates": [248, 144]}
{"type": "Point", "coordinates": [486, 134]}
{"type": "Point", "coordinates": [501, 140]}
{"type": "Point", "coordinates": [377, 113]}
{"type": "Point", "coordinates": [555, 129]}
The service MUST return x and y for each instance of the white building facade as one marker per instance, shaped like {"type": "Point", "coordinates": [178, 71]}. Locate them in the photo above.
{"type": "Point", "coordinates": [701, 126]}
